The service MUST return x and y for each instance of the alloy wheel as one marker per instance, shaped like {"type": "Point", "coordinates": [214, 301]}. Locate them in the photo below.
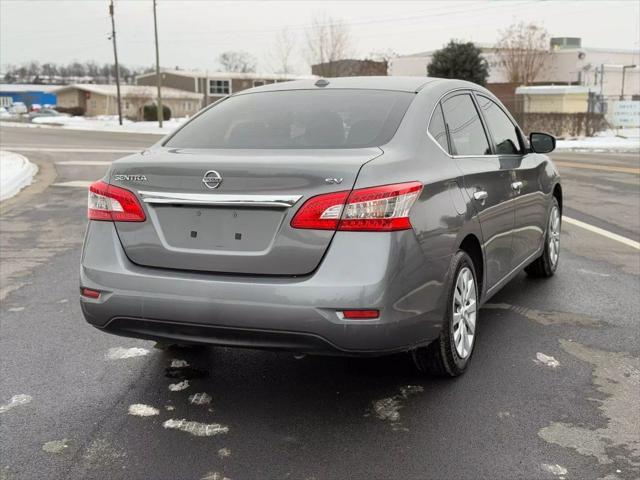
{"type": "Point", "coordinates": [464, 312]}
{"type": "Point", "coordinates": [554, 236]}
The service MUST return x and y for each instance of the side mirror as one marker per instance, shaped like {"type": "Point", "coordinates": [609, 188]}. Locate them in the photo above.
{"type": "Point", "coordinates": [542, 142]}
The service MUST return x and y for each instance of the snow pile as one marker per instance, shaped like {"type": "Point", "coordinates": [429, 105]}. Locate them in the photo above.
{"type": "Point", "coordinates": [16, 172]}
{"type": "Point", "coordinates": [109, 123]}
{"type": "Point", "coordinates": [627, 139]}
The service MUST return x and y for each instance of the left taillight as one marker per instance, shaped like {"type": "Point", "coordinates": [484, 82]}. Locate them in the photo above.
{"type": "Point", "coordinates": [113, 204]}
{"type": "Point", "coordinates": [383, 208]}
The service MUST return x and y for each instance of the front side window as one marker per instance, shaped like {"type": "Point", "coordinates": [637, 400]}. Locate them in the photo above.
{"type": "Point", "coordinates": [438, 130]}
{"type": "Point", "coordinates": [219, 87]}
{"type": "Point", "coordinates": [330, 118]}
{"type": "Point", "coordinates": [465, 128]}
{"type": "Point", "coordinates": [501, 128]}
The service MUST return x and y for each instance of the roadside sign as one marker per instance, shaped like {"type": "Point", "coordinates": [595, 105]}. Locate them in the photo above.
{"type": "Point", "coordinates": [624, 113]}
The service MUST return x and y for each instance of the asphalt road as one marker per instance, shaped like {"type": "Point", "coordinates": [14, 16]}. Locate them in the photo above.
{"type": "Point", "coordinates": [553, 391]}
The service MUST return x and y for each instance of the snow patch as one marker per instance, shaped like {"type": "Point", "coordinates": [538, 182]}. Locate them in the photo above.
{"type": "Point", "coordinates": [16, 172]}
{"type": "Point", "coordinates": [623, 140]}
{"type": "Point", "coordinates": [176, 363]}
{"type": "Point", "coordinates": [16, 309]}
{"type": "Point", "coordinates": [196, 428]}
{"type": "Point", "coordinates": [16, 400]}
{"type": "Point", "coordinates": [55, 446]}
{"type": "Point", "coordinates": [109, 123]}
{"type": "Point", "coordinates": [388, 409]}
{"type": "Point", "coordinates": [142, 410]}
{"type": "Point", "coordinates": [554, 469]}
{"type": "Point", "coordinates": [176, 387]}
{"type": "Point", "coordinates": [224, 453]}
{"type": "Point", "coordinates": [214, 476]}
{"type": "Point", "coordinates": [118, 353]}
{"type": "Point", "coordinates": [546, 360]}
{"type": "Point", "coordinates": [200, 398]}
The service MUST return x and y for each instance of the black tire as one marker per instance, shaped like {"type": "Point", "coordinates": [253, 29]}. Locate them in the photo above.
{"type": "Point", "coordinates": [544, 266]}
{"type": "Point", "coordinates": [440, 357]}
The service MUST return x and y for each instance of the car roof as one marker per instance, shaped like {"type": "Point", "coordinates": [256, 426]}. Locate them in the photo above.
{"type": "Point", "coordinates": [403, 84]}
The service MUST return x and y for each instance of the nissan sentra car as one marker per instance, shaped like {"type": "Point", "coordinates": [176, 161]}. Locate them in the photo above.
{"type": "Point", "coordinates": [354, 216]}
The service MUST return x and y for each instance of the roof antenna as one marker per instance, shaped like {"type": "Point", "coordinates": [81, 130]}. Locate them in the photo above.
{"type": "Point", "coordinates": [322, 82]}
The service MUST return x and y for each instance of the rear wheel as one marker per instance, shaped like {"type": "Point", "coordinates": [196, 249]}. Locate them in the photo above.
{"type": "Point", "coordinates": [450, 353]}
{"type": "Point", "coordinates": [545, 265]}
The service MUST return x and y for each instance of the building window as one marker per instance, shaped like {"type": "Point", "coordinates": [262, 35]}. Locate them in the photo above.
{"type": "Point", "coordinates": [219, 87]}
{"type": "Point", "coordinates": [127, 105]}
{"type": "Point", "coordinates": [186, 106]}
{"type": "Point", "coordinates": [258, 83]}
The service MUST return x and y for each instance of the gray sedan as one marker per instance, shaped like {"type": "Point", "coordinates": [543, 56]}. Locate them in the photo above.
{"type": "Point", "coordinates": [354, 216]}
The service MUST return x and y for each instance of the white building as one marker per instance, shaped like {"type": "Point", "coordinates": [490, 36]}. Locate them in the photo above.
{"type": "Point", "coordinates": [567, 64]}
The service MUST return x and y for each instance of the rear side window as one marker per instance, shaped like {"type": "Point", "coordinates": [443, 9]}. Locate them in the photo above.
{"type": "Point", "coordinates": [329, 118]}
{"type": "Point", "coordinates": [437, 128]}
{"type": "Point", "coordinates": [502, 129]}
{"type": "Point", "coordinates": [465, 128]}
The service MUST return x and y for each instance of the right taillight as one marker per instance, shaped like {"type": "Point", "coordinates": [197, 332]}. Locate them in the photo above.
{"type": "Point", "coordinates": [383, 208]}
{"type": "Point", "coordinates": [110, 203]}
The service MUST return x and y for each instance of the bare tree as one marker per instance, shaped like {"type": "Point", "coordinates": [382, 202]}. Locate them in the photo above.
{"type": "Point", "coordinates": [328, 41]}
{"type": "Point", "coordinates": [138, 99]}
{"type": "Point", "coordinates": [237, 62]}
{"type": "Point", "coordinates": [523, 50]}
{"type": "Point", "coordinates": [282, 52]}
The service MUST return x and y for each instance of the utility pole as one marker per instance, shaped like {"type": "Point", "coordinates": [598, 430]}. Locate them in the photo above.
{"type": "Point", "coordinates": [159, 79]}
{"type": "Point", "coordinates": [115, 56]}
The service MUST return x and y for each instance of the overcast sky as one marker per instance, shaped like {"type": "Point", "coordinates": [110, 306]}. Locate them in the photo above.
{"type": "Point", "coordinates": [194, 33]}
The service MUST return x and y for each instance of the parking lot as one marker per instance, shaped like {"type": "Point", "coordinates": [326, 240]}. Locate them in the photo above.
{"type": "Point", "coordinates": [553, 390]}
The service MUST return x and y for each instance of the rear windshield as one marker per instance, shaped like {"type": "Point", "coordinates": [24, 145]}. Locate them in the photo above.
{"type": "Point", "coordinates": [298, 119]}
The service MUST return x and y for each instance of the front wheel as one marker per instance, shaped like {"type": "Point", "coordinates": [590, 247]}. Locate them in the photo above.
{"type": "Point", "coordinates": [547, 263]}
{"type": "Point", "coordinates": [450, 353]}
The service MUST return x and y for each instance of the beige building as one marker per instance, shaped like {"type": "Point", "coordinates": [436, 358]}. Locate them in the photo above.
{"type": "Point", "coordinates": [213, 85]}
{"type": "Point", "coordinates": [554, 98]}
{"type": "Point", "coordinates": [97, 99]}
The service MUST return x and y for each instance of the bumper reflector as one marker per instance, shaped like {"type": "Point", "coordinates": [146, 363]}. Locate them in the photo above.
{"type": "Point", "coordinates": [361, 314]}
{"type": "Point", "coordinates": [87, 292]}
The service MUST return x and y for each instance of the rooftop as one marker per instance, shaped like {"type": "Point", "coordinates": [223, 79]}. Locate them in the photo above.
{"type": "Point", "coordinates": [30, 87]}
{"type": "Point", "coordinates": [131, 91]}
{"type": "Point", "coordinates": [552, 89]}
{"type": "Point", "coordinates": [228, 75]}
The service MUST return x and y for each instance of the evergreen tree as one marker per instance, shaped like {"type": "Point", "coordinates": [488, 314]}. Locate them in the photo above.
{"type": "Point", "coordinates": [460, 60]}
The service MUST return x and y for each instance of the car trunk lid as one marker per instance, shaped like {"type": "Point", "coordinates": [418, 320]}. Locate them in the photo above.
{"type": "Point", "coordinates": [240, 226]}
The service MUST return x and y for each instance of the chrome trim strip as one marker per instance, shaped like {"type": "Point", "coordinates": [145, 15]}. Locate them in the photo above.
{"type": "Point", "coordinates": [230, 200]}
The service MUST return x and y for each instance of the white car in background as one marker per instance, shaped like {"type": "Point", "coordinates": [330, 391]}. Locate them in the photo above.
{"type": "Point", "coordinates": [18, 107]}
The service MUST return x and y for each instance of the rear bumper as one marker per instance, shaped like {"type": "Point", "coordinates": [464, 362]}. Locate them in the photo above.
{"type": "Point", "coordinates": [387, 271]}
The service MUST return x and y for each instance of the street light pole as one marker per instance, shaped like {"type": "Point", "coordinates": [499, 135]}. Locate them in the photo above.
{"type": "Point", "coordinates": [159, 79]}
{"type": "Point", "coordinates": [115, 56]}
{"type": "Point", "coordinates": [624, 71]}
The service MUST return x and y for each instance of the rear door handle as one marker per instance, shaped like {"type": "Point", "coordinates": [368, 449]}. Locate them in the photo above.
{"type": "Point", "coordinates": [480, 195]}
{"type": "Point", "coordinates": [516, 185]}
